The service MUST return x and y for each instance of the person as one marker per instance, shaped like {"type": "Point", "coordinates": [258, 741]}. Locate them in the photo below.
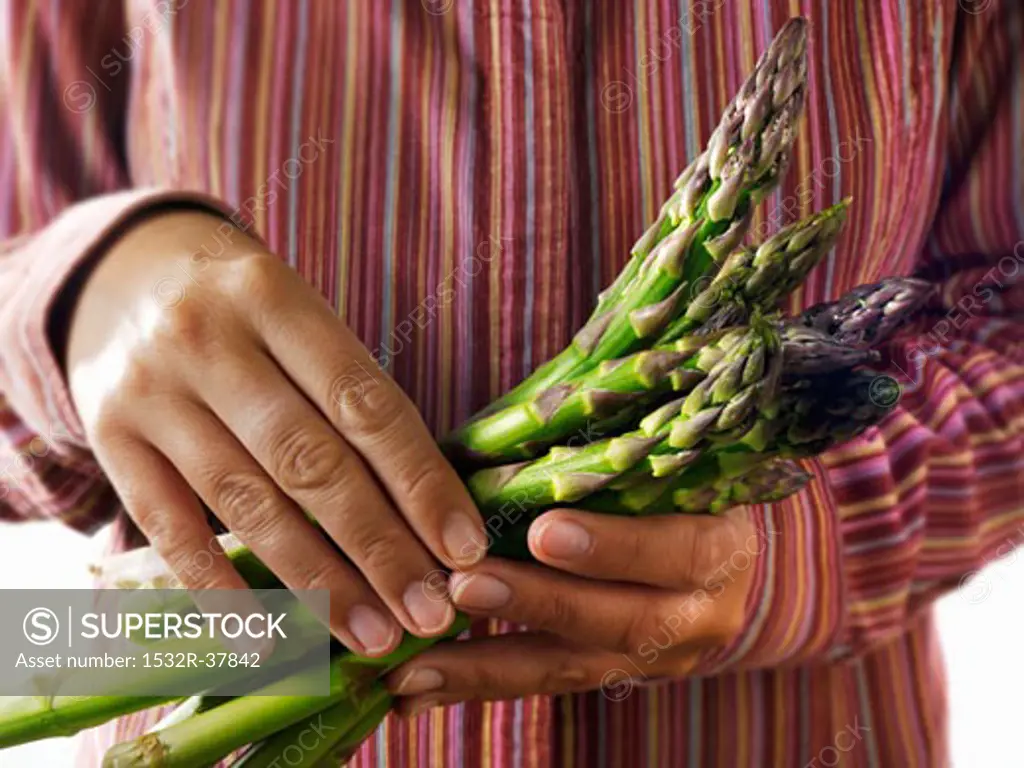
{"type": "Point", "coordinates": [223, 216]}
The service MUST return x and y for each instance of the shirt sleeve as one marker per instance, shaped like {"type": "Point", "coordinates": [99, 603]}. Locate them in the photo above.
{"type": "Point", "coordinates": [68, 194]}
{"type": "Point", "coordinates": [914, 508]}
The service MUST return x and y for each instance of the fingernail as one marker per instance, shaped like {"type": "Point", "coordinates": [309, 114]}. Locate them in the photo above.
{"type": "Point", "coordinates": [432, 613]}
{"type": "Point", "coordinates": [463, 540]}
{"type": "Point", "coordinates": [479, 592]}
{"type": "Point", "coordinates": [563, 540]}
{"type": "Point", "coordinates": [420, 681]}
{"type": "Point", "coordinates": [423, 706]}
{"type": "Point", "coordinates": [374, 631]}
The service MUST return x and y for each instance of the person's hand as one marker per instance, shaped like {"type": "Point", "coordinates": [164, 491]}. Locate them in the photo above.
{"type": "Point", "coordinates": [615, 599]}
{"type": "Point", "coordinates": [228, 377]}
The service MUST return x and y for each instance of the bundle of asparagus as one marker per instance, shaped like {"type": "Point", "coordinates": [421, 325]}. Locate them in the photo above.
{"type": "Point", "coordinates": [702, 395]}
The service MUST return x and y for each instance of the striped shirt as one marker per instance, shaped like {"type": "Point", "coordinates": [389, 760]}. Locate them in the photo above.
{"type": "Point", "coordinates": [460, 178]}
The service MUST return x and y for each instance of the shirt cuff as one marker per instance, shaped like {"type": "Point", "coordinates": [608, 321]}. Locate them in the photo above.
{"type": "Point", "coordinates": [33, 273]}
{"type": "Point", "coordinates": [796, 609]}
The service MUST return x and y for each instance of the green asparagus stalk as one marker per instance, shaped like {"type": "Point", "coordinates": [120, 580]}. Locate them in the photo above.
{"type": "Point", "coordinates": [704, 220]}
{"type": "Point", "coordinates": [205, 738]}
{"type": "Point", "coordinates": [811, 416]}
{"type": "Point", "coordinates": [760, 277]}
{"type": "Point", "coordinates": [27, 718]}
{"type": "Point", "coordinates": [737, 412]}
{"type": "Point", "coordinates": [870, 314]}
{"type": "Point", "coordinates": [523, 429]}
{"type": "Point", "coordinates": [819, 412]}
{"type": "Point", "coordinates": [355, 736]}
{"type": "Point", "coordinates": [748, 282]}
{"type": "Point", "coordinates": [210, 735]}
{"type": "Point", "coordinates": [311, 742]}
{"type": "Point", "coordinates": [773, 481]}
{"type": "Point", "coordinates": [807, 351]}
{"type": "Point", "coordinates": [703, 488]}
{"type": "Point", "coordinates": [742, 373]}
{"type": "Point", "coordinates": [186, 709]}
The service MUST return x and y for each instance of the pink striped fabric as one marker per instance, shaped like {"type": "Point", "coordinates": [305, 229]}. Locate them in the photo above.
{"type": "Point", "coordinates": [460, 178]}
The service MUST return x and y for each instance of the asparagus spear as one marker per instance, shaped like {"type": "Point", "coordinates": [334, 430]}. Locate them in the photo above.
{"type": "Point", "coordinates": [743, 373]}
{"type": "Point", "coordinates": [805, 418]}
{"type": "Point", "coordinates": [27, 718]}
{"type": "Point", "coordinates": [709, 491]}
{"type": "Point", "coordinates": [770, 482]}
{"type": "Point", "coordinates": [758, 278]}
{"type": "Point", "coordinates": [700, 488]}
{"type": "Point", "coordinates": [207, 737]}
{"type": "Point", "coordinates": [819, 412]}
{"type": "Point", "coordinates": [210, 735]}
{"type": "Point", "coordinates": [807, 351]}
{"type": "Point", "coordinates": [311, 742]}
{"type": "Point", "coordinates": [358, 733]}
{"type": "Point", "coordinates": [521, 430]}
{"type": "Point", "coordinates": [749, 281]}
{"type": "Point", "coordinates": [812, 415]}
{"type": "Point", "coordinates": [816, 412]}
{"type": "Point", "coordinates": [705, 219]}
{"type": "Point", "coordinates": [870, 314]}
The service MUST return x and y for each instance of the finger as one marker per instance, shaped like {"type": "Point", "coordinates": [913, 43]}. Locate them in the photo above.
{"type": "Point", "coordinates": [672, 551]}
{"type": "Point", "coordinates": [234, 486]}
{"type": "Point", "coordinates": [479, 669]}
{"type": "Point", "coordinates": [614, 616]}
{"type": "Point", "coordinates": [167, 512]}
{"type": "Point", "coordinates": [338, 375]}
{"type": "Point", "coordinates": [313, 465]}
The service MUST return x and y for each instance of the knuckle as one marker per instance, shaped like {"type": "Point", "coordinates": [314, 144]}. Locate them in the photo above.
{"type": "Point", "coordinates": [252, 277]}
{"type": "Point", "coordinates": [187, 325]}
{"type": "Point", "coordinates": [422, 480]}
{"type": "Point", "coordinates": [565, 673]}
{"type": "Point", "coordinates": [709, 547]}
{"type": "Point", "coordinates": [559, 612]}
{"type": "Point", "coordinates": [721, 543]}
{"type": "Point", "coordinates": [375, 546]}
{"type": "Point", "coordinates": [492, 680]}
{"type": "Point", "coordinates": [159, 527]}
{"type": "Point", "coordinates": [190, 563]}
{"type": "Point", "coordinates": [107, 427]}
{"type": "Point", "coordinates": [138, 381]}
{"type": "Point", "coordinates": [640, 629]}
{"type": "Point", "coordinates": [322, 574]}
{"type": "Point", "coordinates": [365, 401]}
{"type": "Point", "coordinates": [198, 569]}
{"type": "Point", "coordinates": [198, 574]}
{"type": "Point", "coordinates": [635, 548]}
{"type": "Point", "coordinates": [248, 505]}
{"type": "Point", "coordinates": [303, 461]}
